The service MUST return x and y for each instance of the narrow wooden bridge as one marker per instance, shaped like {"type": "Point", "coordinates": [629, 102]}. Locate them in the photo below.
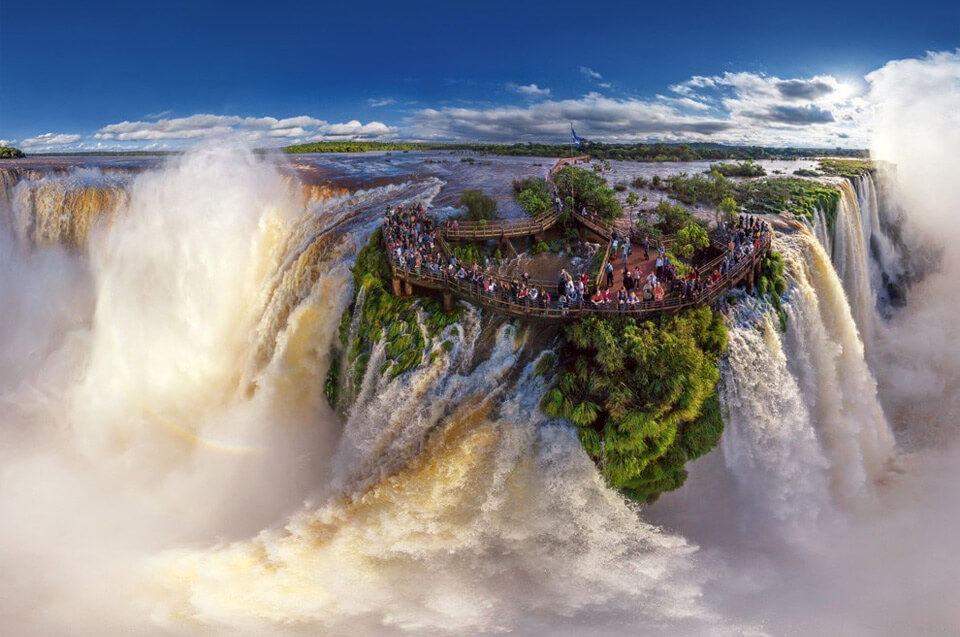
{"type": "Point", "coordinates": [508, 228]}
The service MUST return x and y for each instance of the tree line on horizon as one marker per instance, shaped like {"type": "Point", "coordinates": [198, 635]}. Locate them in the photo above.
{"type": "Point", "coordinates": [598, 150]}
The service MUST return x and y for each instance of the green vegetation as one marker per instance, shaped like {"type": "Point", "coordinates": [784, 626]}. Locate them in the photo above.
{"type": "Point", "coordinates": [709, 188]}
{"type": "Point", "coordinates": [643, 395]}
{"type": "Point", "coordinates": [691, 239]}
{"type": "Point", "coordinates": [533, 194]}
{"type": "Point", "coordinates": [585, 189]}
{"type": "Point", "coordinates": [597, 150]}
{"type": "Point", "coordinates": [800, 197]}
{"type": "Point", "coordinates": [9, 152]}
{"type": "Point", "coordinates": [772, 281]}
{"type": "Point", "coordinates": [468, 253]}
{"type": "Point", "coordinates": [383, 315]}
{"type": "Point", "coordinates": [479, 206]}
{"type": "Point", "coordinates": [672, 217]}
{"type": "Point", "coordinates": [741, 169]}
{"type": "Point", "coordinates": [639, 182]}
{"type": "Point", "coordinates": [849, 168]}
{"type": "Point", "coordinates": [354, 147]}
{"type": "Point", "coordinates": [803, 172]}
{"type": "Point", "coordinates": [726, 211]}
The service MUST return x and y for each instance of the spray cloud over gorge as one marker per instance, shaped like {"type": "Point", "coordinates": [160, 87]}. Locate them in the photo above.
{"type": "Point", "coordinates": [165, 342]}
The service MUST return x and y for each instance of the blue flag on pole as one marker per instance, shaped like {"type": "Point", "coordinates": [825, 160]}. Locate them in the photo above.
{"type": "Point", "coordinates": [576, 140]}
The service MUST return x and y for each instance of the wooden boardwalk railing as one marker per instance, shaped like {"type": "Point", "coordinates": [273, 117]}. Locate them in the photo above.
{"type": "Point", "coordinates": [476, 230]}
{"type": "Point", "coordinates": [501, 301]}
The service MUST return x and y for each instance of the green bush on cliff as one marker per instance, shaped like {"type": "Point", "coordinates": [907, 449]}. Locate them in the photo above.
{"type": "Point", "coordinates": [409, 326]}
{"type": "Point", "coordinates": [773, 281]}
{"type": "Point", "coordinates": [9, 152]}
{"type": "Point", "coordinates": [643, 395]}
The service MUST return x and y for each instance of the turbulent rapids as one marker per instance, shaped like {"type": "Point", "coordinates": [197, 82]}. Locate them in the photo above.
{"type": "Point", "coordinates": [167, 335]}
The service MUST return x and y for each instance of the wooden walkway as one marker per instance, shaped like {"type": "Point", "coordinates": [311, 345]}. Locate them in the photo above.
{"type": "Point", "coordinates": [404, 279]}
{"type": "Point", "coordinates": [501, 302]}
{"type": "Point", "coordinates": [508, 228]}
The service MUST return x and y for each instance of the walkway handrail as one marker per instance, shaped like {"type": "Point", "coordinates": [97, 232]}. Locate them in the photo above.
{"type": "Point", "coordinates": [472, 230]}
{"type": "Point", "coordinates": [501, 301]}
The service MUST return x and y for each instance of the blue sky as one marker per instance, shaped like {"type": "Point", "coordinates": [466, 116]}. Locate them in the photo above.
{"type": "Point", "coordinates": [163, 75]}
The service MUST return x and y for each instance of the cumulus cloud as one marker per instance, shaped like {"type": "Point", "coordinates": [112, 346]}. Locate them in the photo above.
{"type": "Point", "coordinates": [804, 89]}
{"type": "Point", "coordinates": [7, 142]}
{"type": "Point", "coordinates": [377, 102]}
{"type": "Point", "coordinates": [174, 133]}
{"type": "Point", "coordinates": [798, 115]}
{"type": "Point", "coordinates": [530, 90]}
{"type": "Point", "coordinates": [605, 118]}
{"type": "Point", "coordinates": [49, 141]}
{"type": "Point", "coordinates": [738, 108]}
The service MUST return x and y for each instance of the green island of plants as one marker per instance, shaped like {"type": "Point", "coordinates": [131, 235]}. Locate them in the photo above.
{"type": "Point", "coordinates": [800, 197]}
{"type": "Point", "coordinates": [772, 284]}
{"type": "Point", "coordinates": [579, 189]}
{"type": "Point", "coordinates": [849, 168]}
{"type": "Point", "coordinates": [9, 152]}
{"type": "Point", "coordinates": [643, 395]}
{"type": "Point", "coordinates": [740, 169]}
{"type": "Point", "coordinates": [533, 194]}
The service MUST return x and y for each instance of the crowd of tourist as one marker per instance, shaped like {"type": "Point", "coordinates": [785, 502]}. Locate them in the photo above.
{"type": "Point", "coordinates": [411, 241]}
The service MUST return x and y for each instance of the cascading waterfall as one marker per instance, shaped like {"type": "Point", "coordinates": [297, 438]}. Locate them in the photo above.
{"type": "Point", "coordinates": [455, 495]}
{"type": "Point", "coordinates": [806, 429]}
{"type": "Point", "coordinates": [769, 443]}
{"type": "Point", "coordinates": [851, 260]}
{"type": "Point", "coordinates": [821, 229]}
{"type": "Point", "coordinates": [887, 267]}
{"type": "Point", "coordinates": [62, 209]}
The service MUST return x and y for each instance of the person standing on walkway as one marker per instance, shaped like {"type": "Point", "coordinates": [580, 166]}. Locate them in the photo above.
{"type": "Point", "coordinates": [609, 271]}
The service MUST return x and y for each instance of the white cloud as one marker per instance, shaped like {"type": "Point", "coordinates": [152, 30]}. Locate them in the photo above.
{"type": "Point", "coordinates": [593, 75]}
{"type": "Point", "coordinates": [377, 102]}
{"type": "Point", "coordinates": [737, 108]}
{"type": "Point", "coordinates": [178, 132]}
{"type": "Point", "coordinates": [49, 141]}
{"type": "Point", "coordinates": [256, 130]}
{"type": "Point", "coordinates": [596, 116]}
{"type": "Point", "coordinates": [529, 90]}
{"type": "Point", "coordinates": [8, 142]}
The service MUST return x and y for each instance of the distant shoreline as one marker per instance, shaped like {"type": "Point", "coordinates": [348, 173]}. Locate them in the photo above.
{"type": "Point", "coordinates": [648, 153]}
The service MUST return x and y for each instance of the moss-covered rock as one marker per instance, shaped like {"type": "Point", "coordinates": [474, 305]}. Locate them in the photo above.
{"type": "Point", "coordinates": [409, 327]}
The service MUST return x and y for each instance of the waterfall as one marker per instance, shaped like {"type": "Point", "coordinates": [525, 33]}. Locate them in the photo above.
{"type": "Point", "coordinates": [806, 430]}
{"type": "Point", "coordinates": [61, 208]}
{"type": "Point", "coordinates": [452, 486]}
{"type": "Point", "coordinates": [851, 260]}
{"type": "Point", "coordinates": [821, 229]}
{"type": "Point", "coordinates": [887, 267]}
{"type": "Point", "coordinates": [769, 442]}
